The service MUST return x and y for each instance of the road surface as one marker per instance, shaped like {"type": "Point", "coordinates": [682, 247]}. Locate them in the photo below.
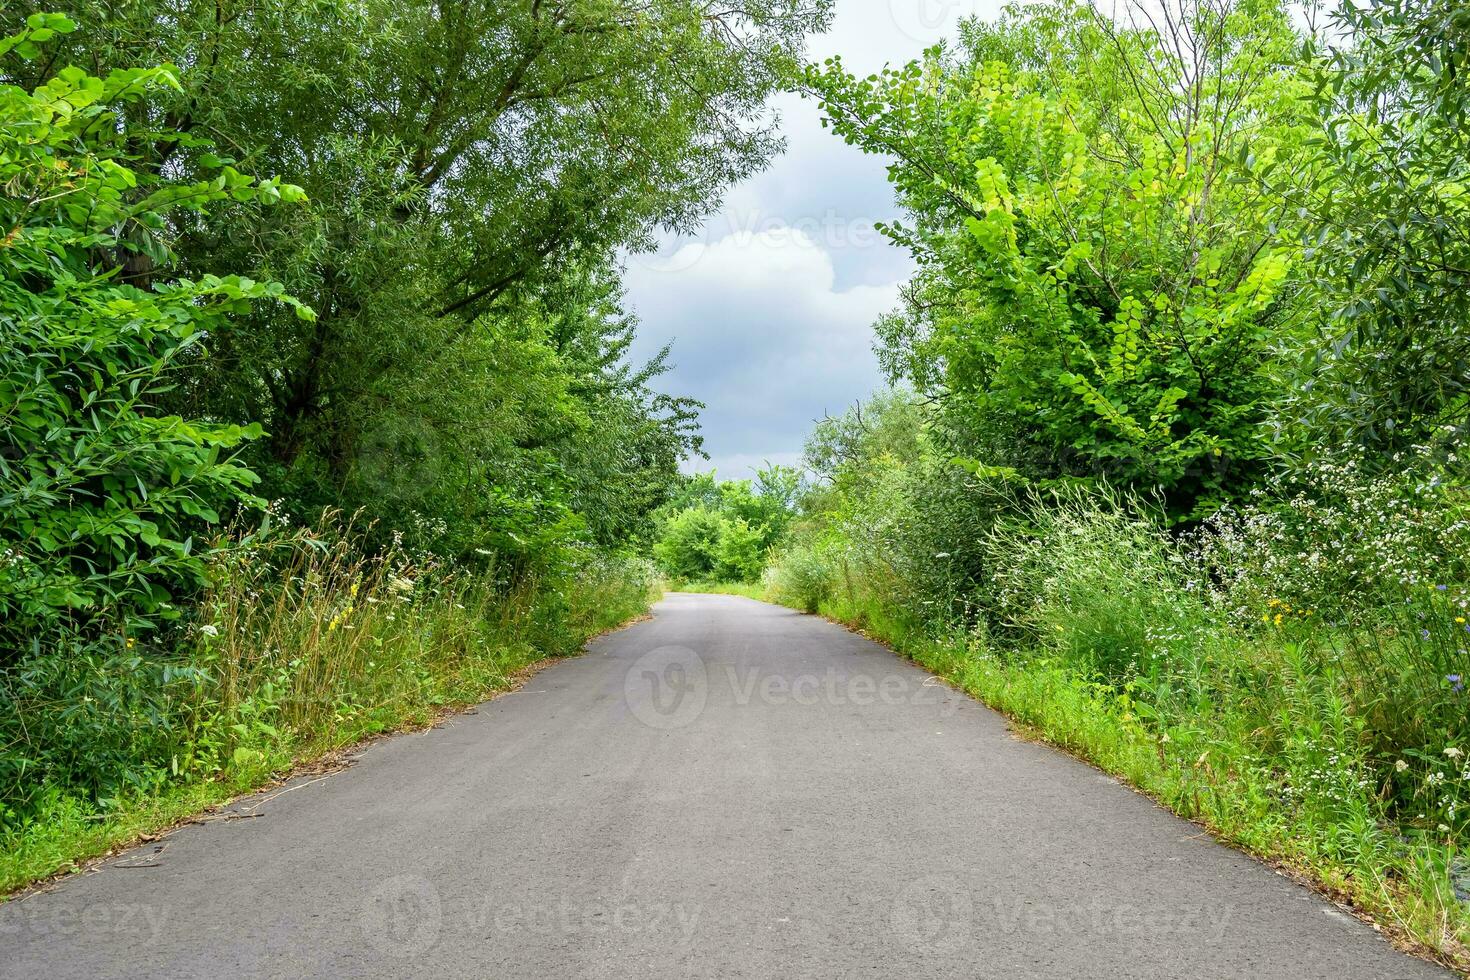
{"type": "Point", "coordinates": [730, 789]}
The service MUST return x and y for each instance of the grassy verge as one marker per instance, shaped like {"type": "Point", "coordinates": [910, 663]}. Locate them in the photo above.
{"type": "Point", "coordinates": [751, 590]}
{"type": "Point", "coordinates": [1404, 884]}
{"type": "Point", "coordinates": [287, 665]}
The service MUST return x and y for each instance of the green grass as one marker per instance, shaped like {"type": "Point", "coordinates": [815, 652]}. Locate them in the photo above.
{"type": "Point", "coordinates": [1225, 765]}
{"type": "Point", "coordinates": [751, 590]}
{"type": "Point", "coordinates": [344, 651]}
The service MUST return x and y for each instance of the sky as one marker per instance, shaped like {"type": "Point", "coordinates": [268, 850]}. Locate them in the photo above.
{"type": "Point", "coordinates": [770, 306]}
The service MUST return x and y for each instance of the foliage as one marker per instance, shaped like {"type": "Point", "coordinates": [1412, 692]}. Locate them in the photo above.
{"type": "Point", "coordinates": [803, 576]}
{"type": "Point", "coordinates": [690, 543]}
{"type": "Point", "coordinates": [302, 642]}
{"type": "Point", "coordinates": [1306, 541]}
{"type": "Point", "coordinates": [1096, 296]}
{"type": "Point", "coordinates": [1389, 227]}
{"type": "Point", "coordinates": [103, 496]}
{"type": "Point", "coordinates": [473, 167]}
{"type": "Point", "coordinates": [721, 530]}
{"type": "Point", "coordinates": [741, 557]}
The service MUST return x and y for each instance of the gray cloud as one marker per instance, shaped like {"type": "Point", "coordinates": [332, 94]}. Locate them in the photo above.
{"type": "Point", "coordinates": [764, 336]}
{"type": "Point", "coordinates": [770, 306]}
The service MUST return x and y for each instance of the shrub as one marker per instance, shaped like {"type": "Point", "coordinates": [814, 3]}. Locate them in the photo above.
{"type": "Point", "coordinates": [689, 547]}
{"type": "Point", "coordinates": [803, 576]}
{"type": "Point", "coordinates": [96, 718]}
{"type": "Point", "coordinates": [741, 556]}
{"type": "Point", "coordinates": [1085, 578]}
{"type": "Point", "coordinates": [102, 499]}
{"type": "Point", "coordinates": [1339, 536]}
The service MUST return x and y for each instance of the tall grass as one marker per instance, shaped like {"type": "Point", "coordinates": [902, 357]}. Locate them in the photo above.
{"type": "Point", "coordinates": [1337, 745]}
{"type": "Point", "coordinates": [301, 645]}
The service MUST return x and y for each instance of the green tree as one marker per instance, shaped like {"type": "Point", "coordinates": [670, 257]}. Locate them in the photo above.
{"type": "Point", "coordinates": [689, 547]}
{"type": "Point", "coordinates": [473, 166]}
{"type": "Point", "coordinates": [741, 553]}
{"type": "Point", "coordinates": [1099, 295]}
{"type": "Point", "coordinates": [1388, 228]}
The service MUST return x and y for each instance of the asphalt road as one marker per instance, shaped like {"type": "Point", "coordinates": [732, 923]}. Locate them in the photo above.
{"type": "Point", "coordinates": [730, 789]}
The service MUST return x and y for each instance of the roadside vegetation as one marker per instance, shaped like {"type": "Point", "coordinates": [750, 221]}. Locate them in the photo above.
{"type": "Point", "coordinates": [317, 417]}
{"type": "Point", "coordinates": [1172, 469]}
{"type": "Point", "coordinates": [717, 533]}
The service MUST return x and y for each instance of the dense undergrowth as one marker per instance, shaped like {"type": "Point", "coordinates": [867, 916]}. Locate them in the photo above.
{"type": "Point", "coordinates": [303, 643]}
{"type": "Point", "coordinates": [1292, 678]}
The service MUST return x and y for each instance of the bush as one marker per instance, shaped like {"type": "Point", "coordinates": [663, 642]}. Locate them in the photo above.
{"type": "Point", "coordinates": [740, 553]}
{"type": "Point", "coordinates": [1341, 537]}
{"type": "Point", "coordinates": [303, 641]}
{"type": "Point", "coordinates": [102, 498]}
{"type": "Point", "coordinates": [720, 531]}
{"type": "Point", "coordinates": [803, 576]}
{"type": "Point", "coordinates": [689, 547]}
{"type": "Point", "coordinates": [1087, 580]}
{"type": "Point", "coordinates": [97, 719]}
